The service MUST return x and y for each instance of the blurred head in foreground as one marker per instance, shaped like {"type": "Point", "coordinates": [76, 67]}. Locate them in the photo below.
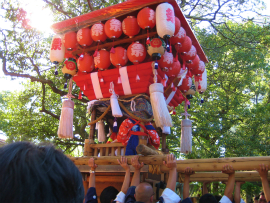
{"type": "Point", "coordinates": [31, 173]}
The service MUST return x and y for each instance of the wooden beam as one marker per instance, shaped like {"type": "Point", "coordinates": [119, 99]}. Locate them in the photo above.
{"type": "Point", "coordinates": [218, 176]}
{"type": "Point", "coordinates": [215, 164]}
{"type": "Point", "coordinates": [145, 150]}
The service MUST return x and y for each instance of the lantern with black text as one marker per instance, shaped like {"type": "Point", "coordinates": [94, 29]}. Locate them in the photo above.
{"type": "Point", "coordinates": [186, 84]}
{"type": "Point", "coordinates": [199, 69]}
{"type": "Point", "coordinates": [174, 69]}
{"type": "Point", "coordinates": [113, 28]}
{"type": "Point", "coordinates": [146, 18]}
{"type": "Point", "coordinates": [102, 60]}
{"type": "Point", "coordinates": [84, 37]}
{"type": "Point", "coordinates": [98, 33]}
{"type": "Point", "coordinates": [156, 49]}
{"type": "Point", "coordinates": [136, 52]}
{"type": "Point", "coordinates": [70, 68]}
{"type": "Point", "coordinates": [179, 37]}
{"type": "Point", "coordinates": [86, 63]}
{"type": "Point", "coordinates": [165, 22]}
{"type": "Point", "coordinates": [70, 40]}
{"type": "Point", "coordinates": [57, 50]}
{"type": "Point", "coordinates": [130, 26]}
{"type": "Point", "coordinates": [119, 57]}
{"type": "Point", "coordinates": [190, 55]}
{"type": "Point", "coordinates": [166, 61]}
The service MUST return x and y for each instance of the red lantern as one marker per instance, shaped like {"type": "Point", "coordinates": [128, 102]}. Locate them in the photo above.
{"type": "Point", "coordinates": [85, 63]}
{"type": "Point", "coordinates": [177, 25]}
{"type": "Point", "coordinates": [130, 26]}
{"type": "Point", "coordinates": [175, 69]}
{"type": "Point", "coordinates": [190, 55]}
{"type": "Point", "coordinates": [194, 63]}
{"type": "Point", "coordinates": [186, 84]}
{"type": "Point", "coordinates": [146, 18]}
{"type": "Point", "coordinates": [119, 57]}
{"type": "Point", "coordinates": [113, 28]}
{"type": "Point", "coordinates": [84, 37]}
{"type": "Point", "coordinates": [184, 46]}
{"type": "Point", "coordinates": [136, 52]}
{"type": "Point", "coordinates": [102, 60]}
{"type": "Point", "coordinates": [98, 33]}
{"type": "Point", "coordinates": [166, 61]}
{"type": "Point", "coordinates": [199, 69]}
{"type": "Point", "coordinates": [179, 37]}
{"type": "Point", "coordinates": [70, 40]}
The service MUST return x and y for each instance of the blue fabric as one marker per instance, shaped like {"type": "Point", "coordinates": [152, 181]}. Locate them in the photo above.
{"type": "Point", "coordinates": [187, 200]}
{"type": "Point", "coordinates": [129, 198]}
{"type": "Point", "coordinates": [131, 145]}
{"type": "Point", "coordinates": [91, 195]}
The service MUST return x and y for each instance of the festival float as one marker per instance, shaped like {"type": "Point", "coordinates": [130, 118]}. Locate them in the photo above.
{"type": "Point", "coordinates": [136, 62]}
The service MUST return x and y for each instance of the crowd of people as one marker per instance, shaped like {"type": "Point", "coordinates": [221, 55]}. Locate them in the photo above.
{"type": "Point", "coordinates": [31, 173]}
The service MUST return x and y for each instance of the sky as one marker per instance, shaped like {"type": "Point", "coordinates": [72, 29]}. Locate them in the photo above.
{"type": "Point", "coordinates": [36, 13]}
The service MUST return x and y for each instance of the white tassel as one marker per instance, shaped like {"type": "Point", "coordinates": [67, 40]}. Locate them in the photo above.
{"type": "Point", "coordinates": [65, 129]}
{"type": "Point", "coordinates": [116, 111]}
{"type": "Point", "coordinates": [166, 130]}
{"type": "Point", "coordinates": [186, 136]}
{"type": "Point", "coordinates": [101, 131]}
{"type": "Point", "coordinates": [161, 114]}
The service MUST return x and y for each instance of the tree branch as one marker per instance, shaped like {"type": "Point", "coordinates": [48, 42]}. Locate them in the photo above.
{"type": "Point", "coordinates": [60, 9]}
{"type": "Point", "coordinates": [90, 5]}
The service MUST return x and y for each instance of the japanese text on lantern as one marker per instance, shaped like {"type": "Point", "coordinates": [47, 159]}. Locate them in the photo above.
{"type": "Point", "coordinates": [137, 50]}
{"type": "Point", "coordinates": [125, 56]}
{"type": "Point", "coordinates": [170, 15]}
{"type": "Point", "coordinates": [56, 44]}
{"type": "Point", "coordinates": [97, 29]}
{"type": "Point", "coordinates": [168, 58]}
{"type": "Point", "coordinates": [152, 16]}
{"type": "Point", "coordinates": [97, 59]}
{"type": "Point", "coordinates": [115, 25]}
{"type": "Point", "coordinates": [79, 35]}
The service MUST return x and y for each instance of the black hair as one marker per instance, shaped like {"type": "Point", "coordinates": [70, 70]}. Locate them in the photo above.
{"type": "Point", "coordinates": [108, 194]}
{"type": "Point", "coordinates": [208, 198]}
{"type": "Point", "coordinates": [218, 197]}
{"type": "Point", "coordinates": [31, 173]}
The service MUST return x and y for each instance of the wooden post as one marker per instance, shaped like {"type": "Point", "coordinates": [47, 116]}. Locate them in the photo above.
{"type": "Point", "coordinates": [92, 127]}
{"type": "Point", "coordinates": [215, 164]}
{"type": "Point", "coordinates": [164, 146]}
{"type": "Point", "coordinates": [144, 150]}
{"type": "Point", "coordinates": [86, 151]}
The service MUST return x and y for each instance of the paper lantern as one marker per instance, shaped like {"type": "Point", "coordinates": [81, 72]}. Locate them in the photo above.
{"type": "Point", "coordinates": [189, 94]}
{"type": "Point", "coordinates": [146, 18]}
{"type": "Point", "coordinates": [130, 26]}
{"type": "Point", "coordinates": [136, 52]}
{"type": "Point", "coordinates": [190, 55]}
{"type": "Point", "coordinates": [119, 57]}
{"type": "Point", "coordinates": [102, 60]}
{"type": "Point", "coordinates": [201, 82]}
{"type": "Point", "coordinates": [70, 68]}
{"type": "Point", "coordinates": [199, 69]}
{"type": "Point", "coordinates": [98, 33]}
{"type": "Point", "coordinates": [166, 61]}
{"type": "Point", "coordinates": [113, 28]}
{"type": "Point", "coordinates": [185, 46]}
{"type": "Point", "coordinates": [174, 69]}
{"type": "Point", "coordinates": [57, 50]}
{"type": "Point", "coordinates": [85, 63]}
{"type": "Point", "coordinates": [177, 25]}
{"type": "Point", "coordinates": [70, 40]}
{"type": "Point", "coordinates": [84, 37]}
{"type": "Point", "coordinates": [156, 48]}
{"type": "Point", "coordinates": [194, 63]}
{"type": "Point", "coordinates": [186, 84]}
{"type": "Point", "coordinates": [165, 22]}
{"type": "Point", "coordinates": [179, 37]}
